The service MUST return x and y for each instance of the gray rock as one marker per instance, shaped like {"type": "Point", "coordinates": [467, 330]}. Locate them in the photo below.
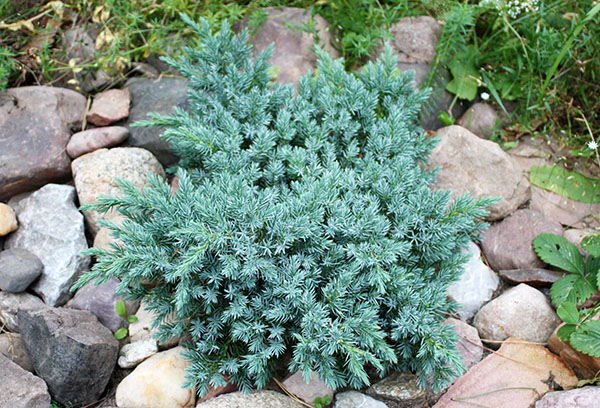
{"type": "Point", "coordinates": [292, 56]}
{"type": "Point", "coordinates": [508, 244]}
{"type": "Point", "coordinates": [100, 300]}
{"type": "Point", "coordinates": [134, 353]}
{"type": "Point", "coordinates": [532, 277]}
{"type": "Point", "coordinates": [18, 268]}
{"type": "Point", "coordinates": [522, 312]}
{"type": "Point", "coordinates": [71, 351]}
{"type": "Point", "coordinates": [586, 397]}
{"type": "Point", "coordinates": [402, 388]}
{"type": "Point", "coordinates": [479, 167]}
{"type": "Point", "coordinates": [157, 96]}
{"type": "Point", "coordinates": [20, 388]}
{"type": "Point", "coordinates": [481, 119]}
{"type": "Point", "coordinates": [95, 175]}
{"type": "Point", "coordinates": [254, 399]}
{"type": "Point", "coordinates": [308, 392]}
{"type": "Point", "coordinates": [475, 286]}
{"type": "Point", "coordinates": [11, 303]}
{"type": "Point", "coordinates": [354, 399]}
{"type": "Point", "coordinates": [35, 126]}
{"type": "Point", "coordinates": [52, 228]}
{"type": "Point", "coordinates": [13, 348]}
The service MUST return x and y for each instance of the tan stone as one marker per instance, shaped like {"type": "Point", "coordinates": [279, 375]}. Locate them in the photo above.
{"type": "Point", "coordinates": [8, 220]}
{"type": "Point", "coordinates": [141, 329]}
{"type": "Point", "coordinates": [157, 383]}
{"type": "Point", "coordinates": [585, 366]}
{"type": "Point", "coordinates": [514, 377]}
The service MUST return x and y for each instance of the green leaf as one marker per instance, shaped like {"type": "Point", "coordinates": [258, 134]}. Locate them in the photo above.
{"type": "Point", "coordinates": [564, 333]}
{"type": "Point", "coordinates": [323, 401]}
{"type": "Point", "coordinates": [465, 75]}
{"type": "Point", "coordinates": [571, 288]}
{"type": "Point", "coordinates": [446, 118]}
{"type": "Point", "coordinates": [592, 245]}
{"type": "Point", "coordinates": [120, 308]}
{"type": "Point", "coordinates": [586, 339]}
{"type": "Point", "coordinates": [569, 184]}
{"type": "Point", "coordinates": [121, 333]}
{"type": "Point", "coordinates": [559, 252]}
{"type": "Point", "coordinates": [568, 312]}
{"type": "Point", "coordinates": [132, 319]}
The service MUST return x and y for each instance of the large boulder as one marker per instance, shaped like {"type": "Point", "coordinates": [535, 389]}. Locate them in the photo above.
{"type": "Point", "coordinates": [35, 126]}
{"type": "Point", "coordinates": [522, 312]}
{"type": "Point", "coordinates": [253, 399]}
{"type": "Point", "coordinates": [52, 229]}
{"type": "Point", "coordinates": [293, 56]}
{"type": "Point", "coordinates": [508, 244]}
{"type": "Point", "coordinates": [71, 351]}
{"type": "Point", "coordinates": [479, 167]}
{"type": "Point", "coordinates": [154, 96]}
{"type": "Point", "coordinates": [20, 388]}
{"type": "Point", "coordinates": [95, 175]}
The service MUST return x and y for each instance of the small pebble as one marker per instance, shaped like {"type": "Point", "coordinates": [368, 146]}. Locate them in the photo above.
{"type": "Point", "coordinates": [109, 107]}
{"type": "Point", "coordinates": [94, 139]}
{"type": "Point", "coordinates": [8, 220]}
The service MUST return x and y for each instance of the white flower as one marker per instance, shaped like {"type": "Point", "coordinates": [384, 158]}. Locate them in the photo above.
{"type": "Point", "coordinates": [593, 145]}
{"type": "Point", "coordinates": [485, 96]}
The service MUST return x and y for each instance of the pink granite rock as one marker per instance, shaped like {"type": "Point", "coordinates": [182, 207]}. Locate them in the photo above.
{"type": "Point", "coordinates": [109, 107]}
{"type": "Point", "coordinates": [94, 139]}
{"type": "Point", "coordinates": [515, 377]}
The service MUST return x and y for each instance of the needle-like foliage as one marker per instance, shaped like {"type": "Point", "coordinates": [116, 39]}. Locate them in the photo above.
{"type": "Point", "coordinates": [303, 229]}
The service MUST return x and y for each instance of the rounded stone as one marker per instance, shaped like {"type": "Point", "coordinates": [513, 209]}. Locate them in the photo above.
{"type": "Point", "coordinates": [8, 220]}
{"type": "Point", "coordinates": [18, 269]}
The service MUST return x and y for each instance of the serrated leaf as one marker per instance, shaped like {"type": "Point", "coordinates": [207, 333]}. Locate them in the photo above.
{"type": "Point", "coordinates": [120, 308]}
{"type": "Point", "coordinates": [569, 184]}
{"type": "Point", "coordinates": [564, 333]}
{"type": "Point", "coordinates": [592, 245]}
{"type": "Point", "coordinates": [586, 339]}
{"type": "Point", "coordinates": [559, 252]}
{"type": "Point", "coordinates": [132, 319]}
{"type": "Point", "coordinates": [592, 270]}
{"type": "Point", "coordinates": [121, 333]}
{"type": "Point", "coordinates": [571, 288]}
{"type": "Point", "coordinates": [568, 312]}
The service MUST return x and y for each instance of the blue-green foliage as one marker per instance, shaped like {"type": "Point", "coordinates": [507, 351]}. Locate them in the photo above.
{"type": "Point", "coordinates": [303, 230]}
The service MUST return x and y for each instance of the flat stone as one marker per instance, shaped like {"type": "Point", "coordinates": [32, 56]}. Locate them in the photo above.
{"type": "Point", "coordinates": [402, 388]}
{"type": "Point", "coordinates": [11, 303]}
{"type": "Point", "coordinates": [157, 96]}
{"type": "Point", "coordinates": [575, 236]}
{"type": "Point", "coordinates": [101, 300]}
{"type": "Point", "coordinates": [13, 348]}
{"type": "Point", "coordinates": [94, 139]}
{"type": "Point", "coordinates": [18, 269]}
{"type": "Point", "coordinates": [253, 399]}
{"type": "Point", "coordinates": [586, 397]}
{"type": "Point", "coordinates": [308, 392]}
{"type": "Point", "coordinates": [132, 354]}
{"type": "Point", "coordinates": [157, 383]}
{"type": "Point", "coordinates": [514, 377]}
{"type": "Point", "coordinates": [8, 220]}
{"type": "Point", "coordinates": [71, 351]}
{"type": "Point", "coordinates": [20, 388]}
{"type": "Point", "coordinates": [95, 175]}
{"type": "Point", "coordinates": [564, 210]}
{"type": "Point", "coordinates": [354, 399]}
{"type": "Point", "coordinates": [481, 119]}
{"type": "Point", "coordinates": [532, 277]}
{"type": "Point", "coordinates": [475, 286]}
{"type": "Point", "coordinates": [293, 55]}
{"type": "Point", "coordinates": [479, 167]}
{"type": "Point", "coordinates": [469, 344]}
{"type": "Point", "coordinates": [52, 229]}
{"type": "Point", "coordinates": [35, 126]}
{"type": "Point", "coordinates": [109, 107]}
{"type": "Point", "coordinates": [531, 152]}
{"type": "Point", "coordinates": [508, 244]}
{"type": "Point", "coordinates": [584, 365]}
{"type": "Point", "coordinates": [522, 312]}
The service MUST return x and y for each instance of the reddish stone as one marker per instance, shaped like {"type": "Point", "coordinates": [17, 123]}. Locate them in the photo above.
{"type": "Point", "coordinates": [213, 392]}
{"type": "Point", "coordinates": [109, 107]}
{"type": "Point", "coordinates": [584, 366]}
{"type": "Point", "coordinates": [515, 377]}
{"type": "Point", "coordinates": [35, 127]}
{"type": "Point", "coordinates": [94, 139]}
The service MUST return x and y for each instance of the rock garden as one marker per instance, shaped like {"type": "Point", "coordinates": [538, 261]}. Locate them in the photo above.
{"type": "Point", "coordinates": [64, 147]}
